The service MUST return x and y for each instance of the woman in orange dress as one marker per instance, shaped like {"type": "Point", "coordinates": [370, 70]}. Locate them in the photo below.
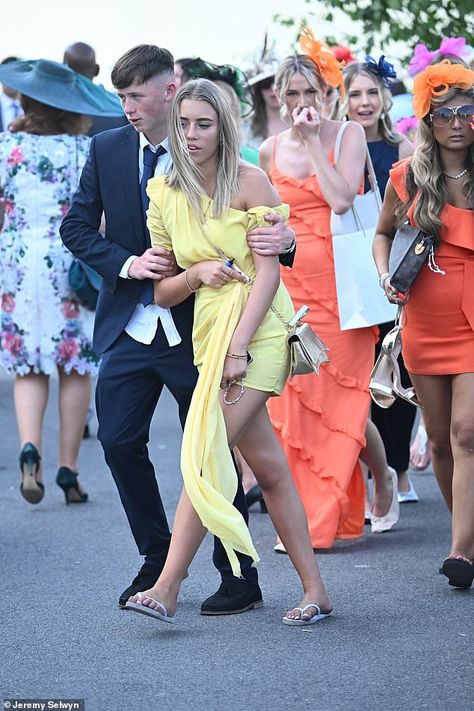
{"type": "Point", "coordinates": [321, 421]}
{"type": "Point", "coordinates": [435, 191]}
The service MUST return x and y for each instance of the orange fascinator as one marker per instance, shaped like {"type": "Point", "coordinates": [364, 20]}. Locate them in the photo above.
{"type": "Point", "coordinates": [321, 55]}
{"type": "Point", "coordinates": [436, 81]}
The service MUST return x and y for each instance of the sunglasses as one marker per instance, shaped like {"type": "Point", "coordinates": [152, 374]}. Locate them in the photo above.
{"type": "Point", "coordinates": [446, 115]}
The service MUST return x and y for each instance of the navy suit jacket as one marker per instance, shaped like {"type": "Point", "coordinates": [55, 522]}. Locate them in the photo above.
{"type": "Point", "coordinates": [110, 184]}
{"type": "Point", "coordinates": [104, 123]}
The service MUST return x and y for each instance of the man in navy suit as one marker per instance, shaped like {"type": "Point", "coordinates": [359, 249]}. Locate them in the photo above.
{"type": "Point", "coordinates": [144, 347]}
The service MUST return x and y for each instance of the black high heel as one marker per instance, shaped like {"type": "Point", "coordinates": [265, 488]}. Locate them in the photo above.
{"type": "Point", "coordinates": [253, 495]}
{"type": "Point", "coordinates": [31, 490]}
{"type": "Point", "coordinates": [66, 479]}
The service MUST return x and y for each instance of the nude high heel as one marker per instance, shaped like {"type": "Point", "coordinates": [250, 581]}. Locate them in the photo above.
{"type": "Point", "coordinates": [385, 380]}
{"type": "Point", "coordinates": [380, 524]}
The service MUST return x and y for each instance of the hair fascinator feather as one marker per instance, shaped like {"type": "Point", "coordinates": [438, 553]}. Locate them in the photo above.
{"type": "Point", "coordinates": [422, 56]}
{"type": "Point", "coordinates": [200, 69]}
{"type": "Point", "coordinates": [328, 66]}
{"type": "Point", "coordinates": [407, 124]}
{"type": "Point", "coordinates": [382, 69]}
{"type": "Point", "coordinates": [436, 81]}
{"type": "Point", "coordinates": [343, 54]}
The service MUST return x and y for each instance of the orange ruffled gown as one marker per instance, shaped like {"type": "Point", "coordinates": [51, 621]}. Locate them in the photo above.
{"type": "Point", "coordinates": [438, 338]}
{"type": "Point", "coordinates": [321, 420]}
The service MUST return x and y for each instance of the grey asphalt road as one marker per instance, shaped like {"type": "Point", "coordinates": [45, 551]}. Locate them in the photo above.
{"type": "Point", "coordinates": [400, 638]}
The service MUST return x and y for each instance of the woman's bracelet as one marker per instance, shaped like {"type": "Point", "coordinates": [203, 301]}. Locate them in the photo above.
{"type": "Point", "coordinates": [237, 355]}
{"type": "Point", "coordinates": [191, 288]}
{"type": "Point", "coordinates": [382, 279]}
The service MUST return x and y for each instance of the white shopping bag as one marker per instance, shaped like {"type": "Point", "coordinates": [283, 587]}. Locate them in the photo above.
{"type": "Point", "coordinates": [361, 301]}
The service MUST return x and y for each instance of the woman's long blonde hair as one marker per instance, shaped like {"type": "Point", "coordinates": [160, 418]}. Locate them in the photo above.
{"type": "Point", "coordinates": [298, 64]}
{"type": "Point", "coordinates": [185, 175]}
{"type": "Point", "coordinates": [426, 180]}
{"type": "Point", "coordinates": [385, 125]}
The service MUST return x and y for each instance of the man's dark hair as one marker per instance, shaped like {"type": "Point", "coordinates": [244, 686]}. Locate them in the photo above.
{"type": "Point", "coordinates": [7, 60]}
{"type": "Point", "coordinates": [140, 64]}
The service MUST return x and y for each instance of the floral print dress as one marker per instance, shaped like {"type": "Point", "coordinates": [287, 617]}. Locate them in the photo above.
{"type": "Point", "coordinates": [42, 324]}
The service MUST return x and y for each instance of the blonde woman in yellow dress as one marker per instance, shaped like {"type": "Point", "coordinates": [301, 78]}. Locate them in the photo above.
{"type": "Point", "coordinates": [202, 212]}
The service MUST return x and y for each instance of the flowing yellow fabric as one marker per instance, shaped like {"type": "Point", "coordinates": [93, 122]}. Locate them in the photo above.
{"type": "Point", "coordinates": [208, 470]}
{"type": "Point", "coordinates": [205, 448]}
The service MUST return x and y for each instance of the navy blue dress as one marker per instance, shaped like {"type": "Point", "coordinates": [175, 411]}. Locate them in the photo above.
{"type": "Point", "coordinates": [383, 155]}
{"type": "Point", "coordinates": [396, 423]}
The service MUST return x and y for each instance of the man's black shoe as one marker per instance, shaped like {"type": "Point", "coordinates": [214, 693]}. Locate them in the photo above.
{"type": "Point", "coordinates": [234, 595]}
{"type": "Point", "coordinates": [146, 578]}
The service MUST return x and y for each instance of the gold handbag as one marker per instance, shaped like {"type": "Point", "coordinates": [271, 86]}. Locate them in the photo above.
{"type": "Point", "coordinates": [307, 350]}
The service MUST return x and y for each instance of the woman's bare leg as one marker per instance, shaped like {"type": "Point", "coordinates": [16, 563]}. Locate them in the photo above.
{"type": "Point", "coordinates": [374, 457]}
{"type": "Point", "coordinates": [188, 534]}
{"type": "Point", "coordinates": [248, 477]}
{"type": "Point", "coordinates": [31, 397]}
{"type": "Point", "coordinates": [262, 451]}
{"type": "Point", "coordinates": [435, 394]}
{"type": "Point", "coordinates": [448, 410]}
{"type": "Point", "coordinates": [74, 398]}
{"type": "Point", "coordinates": [462, 441]}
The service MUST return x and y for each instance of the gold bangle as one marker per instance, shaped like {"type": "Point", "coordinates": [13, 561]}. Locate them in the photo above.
{"type": "Point", "coordinates": [237, 355]}
{"type": "Point", "coordinates": [191, 289]}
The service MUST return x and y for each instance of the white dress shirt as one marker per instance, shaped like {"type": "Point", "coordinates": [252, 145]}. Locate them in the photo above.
{"type": "Point", "coordinates": [144, 320]}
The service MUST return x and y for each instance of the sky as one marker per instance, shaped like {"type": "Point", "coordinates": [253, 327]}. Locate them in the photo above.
{"type": "Point", "coordinates": [217, 30]}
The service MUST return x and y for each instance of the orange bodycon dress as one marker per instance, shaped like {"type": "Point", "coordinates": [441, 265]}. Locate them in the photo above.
{"type": "Point", "coordinates": [438, 338]}
{"type": "Point", "coordinates": [321, 420]}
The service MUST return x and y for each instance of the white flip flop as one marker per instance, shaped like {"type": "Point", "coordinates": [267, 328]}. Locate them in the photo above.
{"type": "Point", "coordinates": [312, 620]}
{"type": "Point", "coordinates": [150, 611]}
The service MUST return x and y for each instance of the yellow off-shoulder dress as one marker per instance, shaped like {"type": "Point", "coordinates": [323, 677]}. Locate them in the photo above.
{"type": "Point", "coordinates": [208, 471]}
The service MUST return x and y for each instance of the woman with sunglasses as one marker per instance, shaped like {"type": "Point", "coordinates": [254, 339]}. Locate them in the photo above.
{"type": "Point", "coordinates": [434, 190]}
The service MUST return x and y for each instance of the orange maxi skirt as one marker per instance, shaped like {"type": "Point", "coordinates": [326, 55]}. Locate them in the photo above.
{"type": "Point", "coordinates": [321, 420]}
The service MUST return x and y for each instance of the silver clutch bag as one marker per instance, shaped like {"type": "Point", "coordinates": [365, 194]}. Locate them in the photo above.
{"type": "Point", "coordinates": [307, 349]}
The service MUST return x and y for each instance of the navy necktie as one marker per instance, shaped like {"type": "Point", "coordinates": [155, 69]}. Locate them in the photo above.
{"type": "Point", "coordinates": [150, 160]}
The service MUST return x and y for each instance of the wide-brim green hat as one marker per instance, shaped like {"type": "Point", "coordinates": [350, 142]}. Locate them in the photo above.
{"type": "Point", "coordinates": [59, 86]}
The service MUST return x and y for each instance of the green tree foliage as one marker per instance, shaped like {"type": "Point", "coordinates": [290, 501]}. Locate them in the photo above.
{"type": "Point", "coordinates": [404, 21]}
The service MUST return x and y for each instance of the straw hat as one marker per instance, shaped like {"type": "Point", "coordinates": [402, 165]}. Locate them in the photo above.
{"type": "Point", "coordinates": [59, 86]}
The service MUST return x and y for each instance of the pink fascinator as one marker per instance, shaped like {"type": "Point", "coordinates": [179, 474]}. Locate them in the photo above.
{"type": "Point", "coordinates": [422, 56]}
